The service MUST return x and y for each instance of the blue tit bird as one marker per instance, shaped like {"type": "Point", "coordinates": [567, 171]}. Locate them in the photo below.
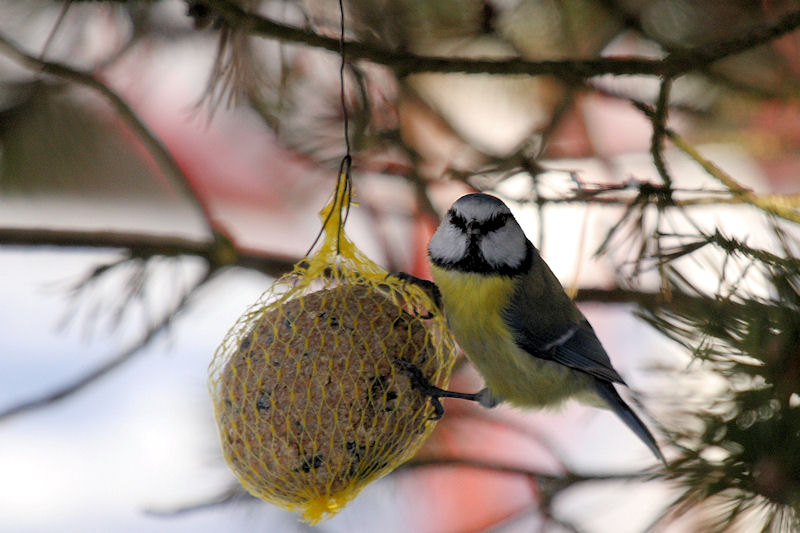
{"type": "Point", "coordinates": [510, 314]}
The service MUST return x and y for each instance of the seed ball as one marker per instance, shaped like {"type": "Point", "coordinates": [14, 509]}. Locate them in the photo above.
{"type": "Point", "coordinates": [311, 405]}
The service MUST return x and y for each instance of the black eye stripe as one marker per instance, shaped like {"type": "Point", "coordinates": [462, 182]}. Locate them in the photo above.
{"type": "Point", "coordinates": [495, 223]}
{"type": "Point", "coordinates": [487, 226]}
{"type": "Point", "coordinates": [458, 221]}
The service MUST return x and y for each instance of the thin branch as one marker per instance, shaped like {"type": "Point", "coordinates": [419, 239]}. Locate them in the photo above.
{"type": "Point", "coordinates": [627, 18]}
{"type": "Point", "coordinates": [54, 31]}
{"type": "Point", "coordinates": [562, 481]}
{"type": "Point", "coordinates": [609, 296]}
{"type": "Point", "coordinates": [675, 63]}
{"type": "Point", "coordinates": [757, 35]}
{"type": "Point", "coordinates": [64, 391]}
{"type": "Point", "coordinates": [151, 142]}
{"type": "Point", "coordinates": [144, 243]}
{"type": "Point", "coordinates": [585, 199]}
{"type": "Point", "coordinates": [786, 206]}
{"type": "Point", "coordinates": [560, 112]}
{"type": "Point", "coordinates": [145, 246]}
{"type": "Point", "coordinates": [218, 252]}
{"type": "Point", "coordinates": [233, 494]}
{"type": "Point", "coordinates": [751, 89]}
{"type": "Point", "coordinates": [659, 121]}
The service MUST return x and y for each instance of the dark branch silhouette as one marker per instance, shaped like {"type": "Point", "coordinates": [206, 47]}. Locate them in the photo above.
{"type": "Point", "coordinates": [674, 64]}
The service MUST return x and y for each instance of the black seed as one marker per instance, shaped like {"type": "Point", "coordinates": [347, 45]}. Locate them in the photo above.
{"type": "Point", "coordinates": [378, 385]}
{"type": "Point", "coordinates": [355, 449]}
{"type": "Point", "coordinates": [309, 463]}
{"type": "Point", "coordinates": [333, 322]}
{"type": "Point", "coordinates": [246, 343]}
{"type": "Point", "coordinates": [399, 321]}
{"type": "Point", "coordinates": [263, 403]}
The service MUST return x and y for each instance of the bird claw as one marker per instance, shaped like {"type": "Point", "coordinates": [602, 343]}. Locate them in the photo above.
{"type": "Point", "coordinates": [428, 286]}
{"type": "Point", "coordinates": [421, 383]}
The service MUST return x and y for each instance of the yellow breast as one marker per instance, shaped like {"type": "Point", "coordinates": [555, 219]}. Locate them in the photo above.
{"type": "Point", "coordinates": [474, 306]}
{"type": "Point", "coordinates": [465, 292]}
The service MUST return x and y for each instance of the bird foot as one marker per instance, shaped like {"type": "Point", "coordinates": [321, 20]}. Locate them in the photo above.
{"type": "Point", "coordinates": [421, 383]}
{"type": "Point", "coordinates": [428, 286]}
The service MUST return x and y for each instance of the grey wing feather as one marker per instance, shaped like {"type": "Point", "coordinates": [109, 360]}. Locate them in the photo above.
{"type": "Point", "coordinates": [609, 394]}
{"type": "Point", "coordinates": [547, 324]}
{"type": "Point", "coordinates": [578, 348]}
{"type": "Point", "coordinates": [583, 351]}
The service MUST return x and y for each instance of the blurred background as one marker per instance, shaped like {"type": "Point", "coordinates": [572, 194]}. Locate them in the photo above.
{"type": "Point", "coordinates": [162, 161]}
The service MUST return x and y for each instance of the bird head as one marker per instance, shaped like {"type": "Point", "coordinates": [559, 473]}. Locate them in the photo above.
{"type": "Point", "coordinates": [479, 234]}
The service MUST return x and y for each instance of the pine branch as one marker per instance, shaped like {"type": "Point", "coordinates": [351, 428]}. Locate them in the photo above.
{"type": "Point", "coordinates": [404, 63]}
{"type": "Point", "coordinates": [219, 252]}
{"type": "Point", "coordinates": [786, 206]}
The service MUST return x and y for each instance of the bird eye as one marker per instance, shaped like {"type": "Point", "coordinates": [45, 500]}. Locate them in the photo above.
{"type": "Point", "coordinates": [495, 223]}
{"type": "Point", "coordinates": [457, 220]}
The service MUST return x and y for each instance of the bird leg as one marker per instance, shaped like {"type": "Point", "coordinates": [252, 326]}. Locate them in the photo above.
{"type": "Point", "coordinates": [421, 383]}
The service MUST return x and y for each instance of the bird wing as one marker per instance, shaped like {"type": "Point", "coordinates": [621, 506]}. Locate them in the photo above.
{"type": "Point", "coordinates": [582, 351]}
{"type": "Point", "coordinates": [547, 324]}
{"type": "Point", "coordinates": [609, 394]}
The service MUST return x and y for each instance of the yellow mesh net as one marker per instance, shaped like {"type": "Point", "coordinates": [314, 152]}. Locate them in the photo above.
{"type": "Point", "coordinates": [309, 401]}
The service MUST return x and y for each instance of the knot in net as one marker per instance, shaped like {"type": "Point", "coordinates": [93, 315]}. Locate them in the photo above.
{"type": "Point", "coordinates": [309, 401]}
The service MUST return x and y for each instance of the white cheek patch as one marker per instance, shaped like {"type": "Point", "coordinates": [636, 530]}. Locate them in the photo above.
{"type": "Point", "coordinates": [448, 244]}
{"type": "Point", "coordinates": [505, 247]}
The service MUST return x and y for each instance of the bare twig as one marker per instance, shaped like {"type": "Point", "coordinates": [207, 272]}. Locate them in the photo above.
{"type": "Point", "coordinates": [659, 121]}
{"type": "Point", "coordinates": [218, 252]}
{"type": "Point", "coordinates": [786, 206]}
{"type": "Point", "coordinates": [704, 55]}
{"type": "Point", "coordinates": [144, 244]}
{"type": "Point", "coordinates": [561, 481]}
{"type": "Point", "coordinates": [232, 494]}
{"type": "Point", "coordinates": [59, 393]}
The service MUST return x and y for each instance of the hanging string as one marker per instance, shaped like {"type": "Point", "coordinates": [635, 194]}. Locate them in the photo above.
{"type": "Point", "coordinates": [344, 166]}
{"type": "Point", "coordinates": [342, 66]}
{"type": "Point", "coordinates": [53, 32]}
{"type": "Point", "coordinates": [343, 178]}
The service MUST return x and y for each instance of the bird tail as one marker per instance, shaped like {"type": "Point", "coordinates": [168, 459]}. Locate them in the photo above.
{"type": "Point", "coordinates": [609, 394]}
